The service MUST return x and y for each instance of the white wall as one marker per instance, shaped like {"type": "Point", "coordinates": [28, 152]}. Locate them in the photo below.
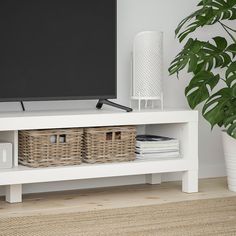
{"type": "Point", "coordinates": [135, 16]}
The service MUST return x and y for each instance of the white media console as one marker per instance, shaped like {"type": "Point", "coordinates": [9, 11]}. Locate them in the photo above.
{"type": "Point", "coordinates": [178, 124]}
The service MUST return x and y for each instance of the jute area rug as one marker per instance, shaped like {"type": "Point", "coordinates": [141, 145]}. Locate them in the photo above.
{"type": "Point", "coordinates": [199, 217]}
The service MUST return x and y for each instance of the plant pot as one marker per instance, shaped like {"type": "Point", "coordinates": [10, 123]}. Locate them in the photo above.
{"type": "Point", "coordinates": [229, 145]}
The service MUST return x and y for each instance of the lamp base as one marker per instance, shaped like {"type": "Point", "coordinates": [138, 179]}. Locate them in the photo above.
{"type": "Point", "coordinates": [147, 100]}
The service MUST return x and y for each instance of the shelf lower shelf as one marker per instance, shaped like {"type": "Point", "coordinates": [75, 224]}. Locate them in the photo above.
{"type": "Point", "coordinates": [25, 175]}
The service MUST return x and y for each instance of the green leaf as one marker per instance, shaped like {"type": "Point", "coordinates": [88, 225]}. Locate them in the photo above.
{"type": "Point", "coordinates": [196, 46]}
{"type": "Point", "coordinates": [232, 48]}
{"type": "Point", "coordinates": [231, 69]}
{"type": "Point", "coordinates": [221, 43]}
{"type": "Point", "coordinates": [233, 17]}
{"type": "Point", "coordinates": [218, 61]}
{"type": "Point", "coordinates": [230, 80]}
{"type": "Point", "coordinates": [230, 125]}
{"type": "Point", "coordinates": [233, 91]}
{"type": "Point", "coordinates": [217, 106]}
{"type": "Point", "coordinates": [181, 24]}
{"type": "Point", "coordinates": [209, 12]}
{"type": "Point", "coordinates": [229, 120]}
{"type": "Point", "coordinates": [226, 58]}
{"type": "Point", "coordinates": [198, 89]}
{"type": "Point", "coordinates": [232, 130]}
{"type": "Point", "coordinates": [199, 55]}
{"type": "Point", "coordinates": [192, 63]}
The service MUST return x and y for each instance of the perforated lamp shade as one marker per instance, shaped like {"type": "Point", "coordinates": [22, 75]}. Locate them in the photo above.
{"type": "Point", "coordinates": [147, 66]}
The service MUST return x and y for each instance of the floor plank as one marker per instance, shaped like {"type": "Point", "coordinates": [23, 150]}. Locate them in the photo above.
{"type": "Point", "coordinates": [115, 197]}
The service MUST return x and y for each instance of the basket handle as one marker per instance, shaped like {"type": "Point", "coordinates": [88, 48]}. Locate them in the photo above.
{"type": "Point", "coordinates": [109, 136]}
{"type": "Point", "coordinates": [116, 135]}
{"type": "Point", "coordinates": [60, 138]}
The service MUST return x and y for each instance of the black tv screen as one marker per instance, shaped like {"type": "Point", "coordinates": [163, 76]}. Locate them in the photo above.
{"type": "Point", "coordinates": [57, 49]}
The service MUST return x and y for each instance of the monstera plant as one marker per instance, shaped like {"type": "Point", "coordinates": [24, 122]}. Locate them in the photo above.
{"type": "Point", "coordinates": [210, 63]}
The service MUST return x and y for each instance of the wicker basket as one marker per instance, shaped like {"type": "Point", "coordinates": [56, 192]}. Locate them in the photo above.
{"type": "Point", "coordinates": [109, 144]}
{"type": "Point", "coordinates": [56, 147]}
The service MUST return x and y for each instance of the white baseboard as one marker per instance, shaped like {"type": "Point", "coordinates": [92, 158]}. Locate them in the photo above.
{"type": "Point", "coordinates": [212, 170]}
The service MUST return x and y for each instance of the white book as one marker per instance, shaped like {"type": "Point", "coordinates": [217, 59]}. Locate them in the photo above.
{"type": "Point", "coordinates": [158, 155]}
{"type": "Point", "coordinates": [156, 150]}
{"type": "Point", "coordinates": [157, 144]}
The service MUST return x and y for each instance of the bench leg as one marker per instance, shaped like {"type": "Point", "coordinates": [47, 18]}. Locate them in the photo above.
{"type": "Point", "coordinates": [153, 178]}
{"type": "Point", "coordinates": [14, 193]}
{"type": "Point", "coordinates": [190, 181]}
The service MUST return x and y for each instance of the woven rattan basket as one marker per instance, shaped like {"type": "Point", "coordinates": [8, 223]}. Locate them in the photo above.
{"type": "Point", "coordinates": [56, 147]}
{"type": "Point", "coordinates": [109, 144]}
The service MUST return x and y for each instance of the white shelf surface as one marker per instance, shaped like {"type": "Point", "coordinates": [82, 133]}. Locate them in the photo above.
{"type": "Point", "coordinates": [25, 175]}
{"type": "Point", "coordinates": [68, 119]}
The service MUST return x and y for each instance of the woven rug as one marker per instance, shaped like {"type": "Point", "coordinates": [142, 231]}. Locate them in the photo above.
{"type": "Point", "coordinates": [199, 217]}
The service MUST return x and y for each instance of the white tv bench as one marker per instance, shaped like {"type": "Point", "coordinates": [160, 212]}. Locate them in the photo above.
{"type": "Point", "coordinates": [181, 124]}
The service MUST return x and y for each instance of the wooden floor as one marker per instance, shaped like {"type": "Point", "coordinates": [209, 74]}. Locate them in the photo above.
{"type": "Point", "coordinates": [108, 198]}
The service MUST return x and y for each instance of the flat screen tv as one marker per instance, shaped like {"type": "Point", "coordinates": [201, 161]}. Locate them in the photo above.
{"type": "Point", "coordinates": [57, 49]}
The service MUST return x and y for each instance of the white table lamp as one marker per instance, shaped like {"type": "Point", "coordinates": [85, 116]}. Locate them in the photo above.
{"type": "Point", "coordinates": [147, 68]}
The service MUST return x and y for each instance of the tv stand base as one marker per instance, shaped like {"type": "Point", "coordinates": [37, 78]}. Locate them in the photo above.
{"type": "Point", "coordinates": [109, 103]}
{"type": "Point", "coordinates": [22, 105]}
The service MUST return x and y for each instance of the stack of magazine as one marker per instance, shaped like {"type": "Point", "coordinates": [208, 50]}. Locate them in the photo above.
{"type": "Point", "coordinates": [154, 147]}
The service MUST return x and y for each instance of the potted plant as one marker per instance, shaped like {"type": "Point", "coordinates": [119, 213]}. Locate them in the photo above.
{"type": "Point", "coordinates": [212, 66]}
